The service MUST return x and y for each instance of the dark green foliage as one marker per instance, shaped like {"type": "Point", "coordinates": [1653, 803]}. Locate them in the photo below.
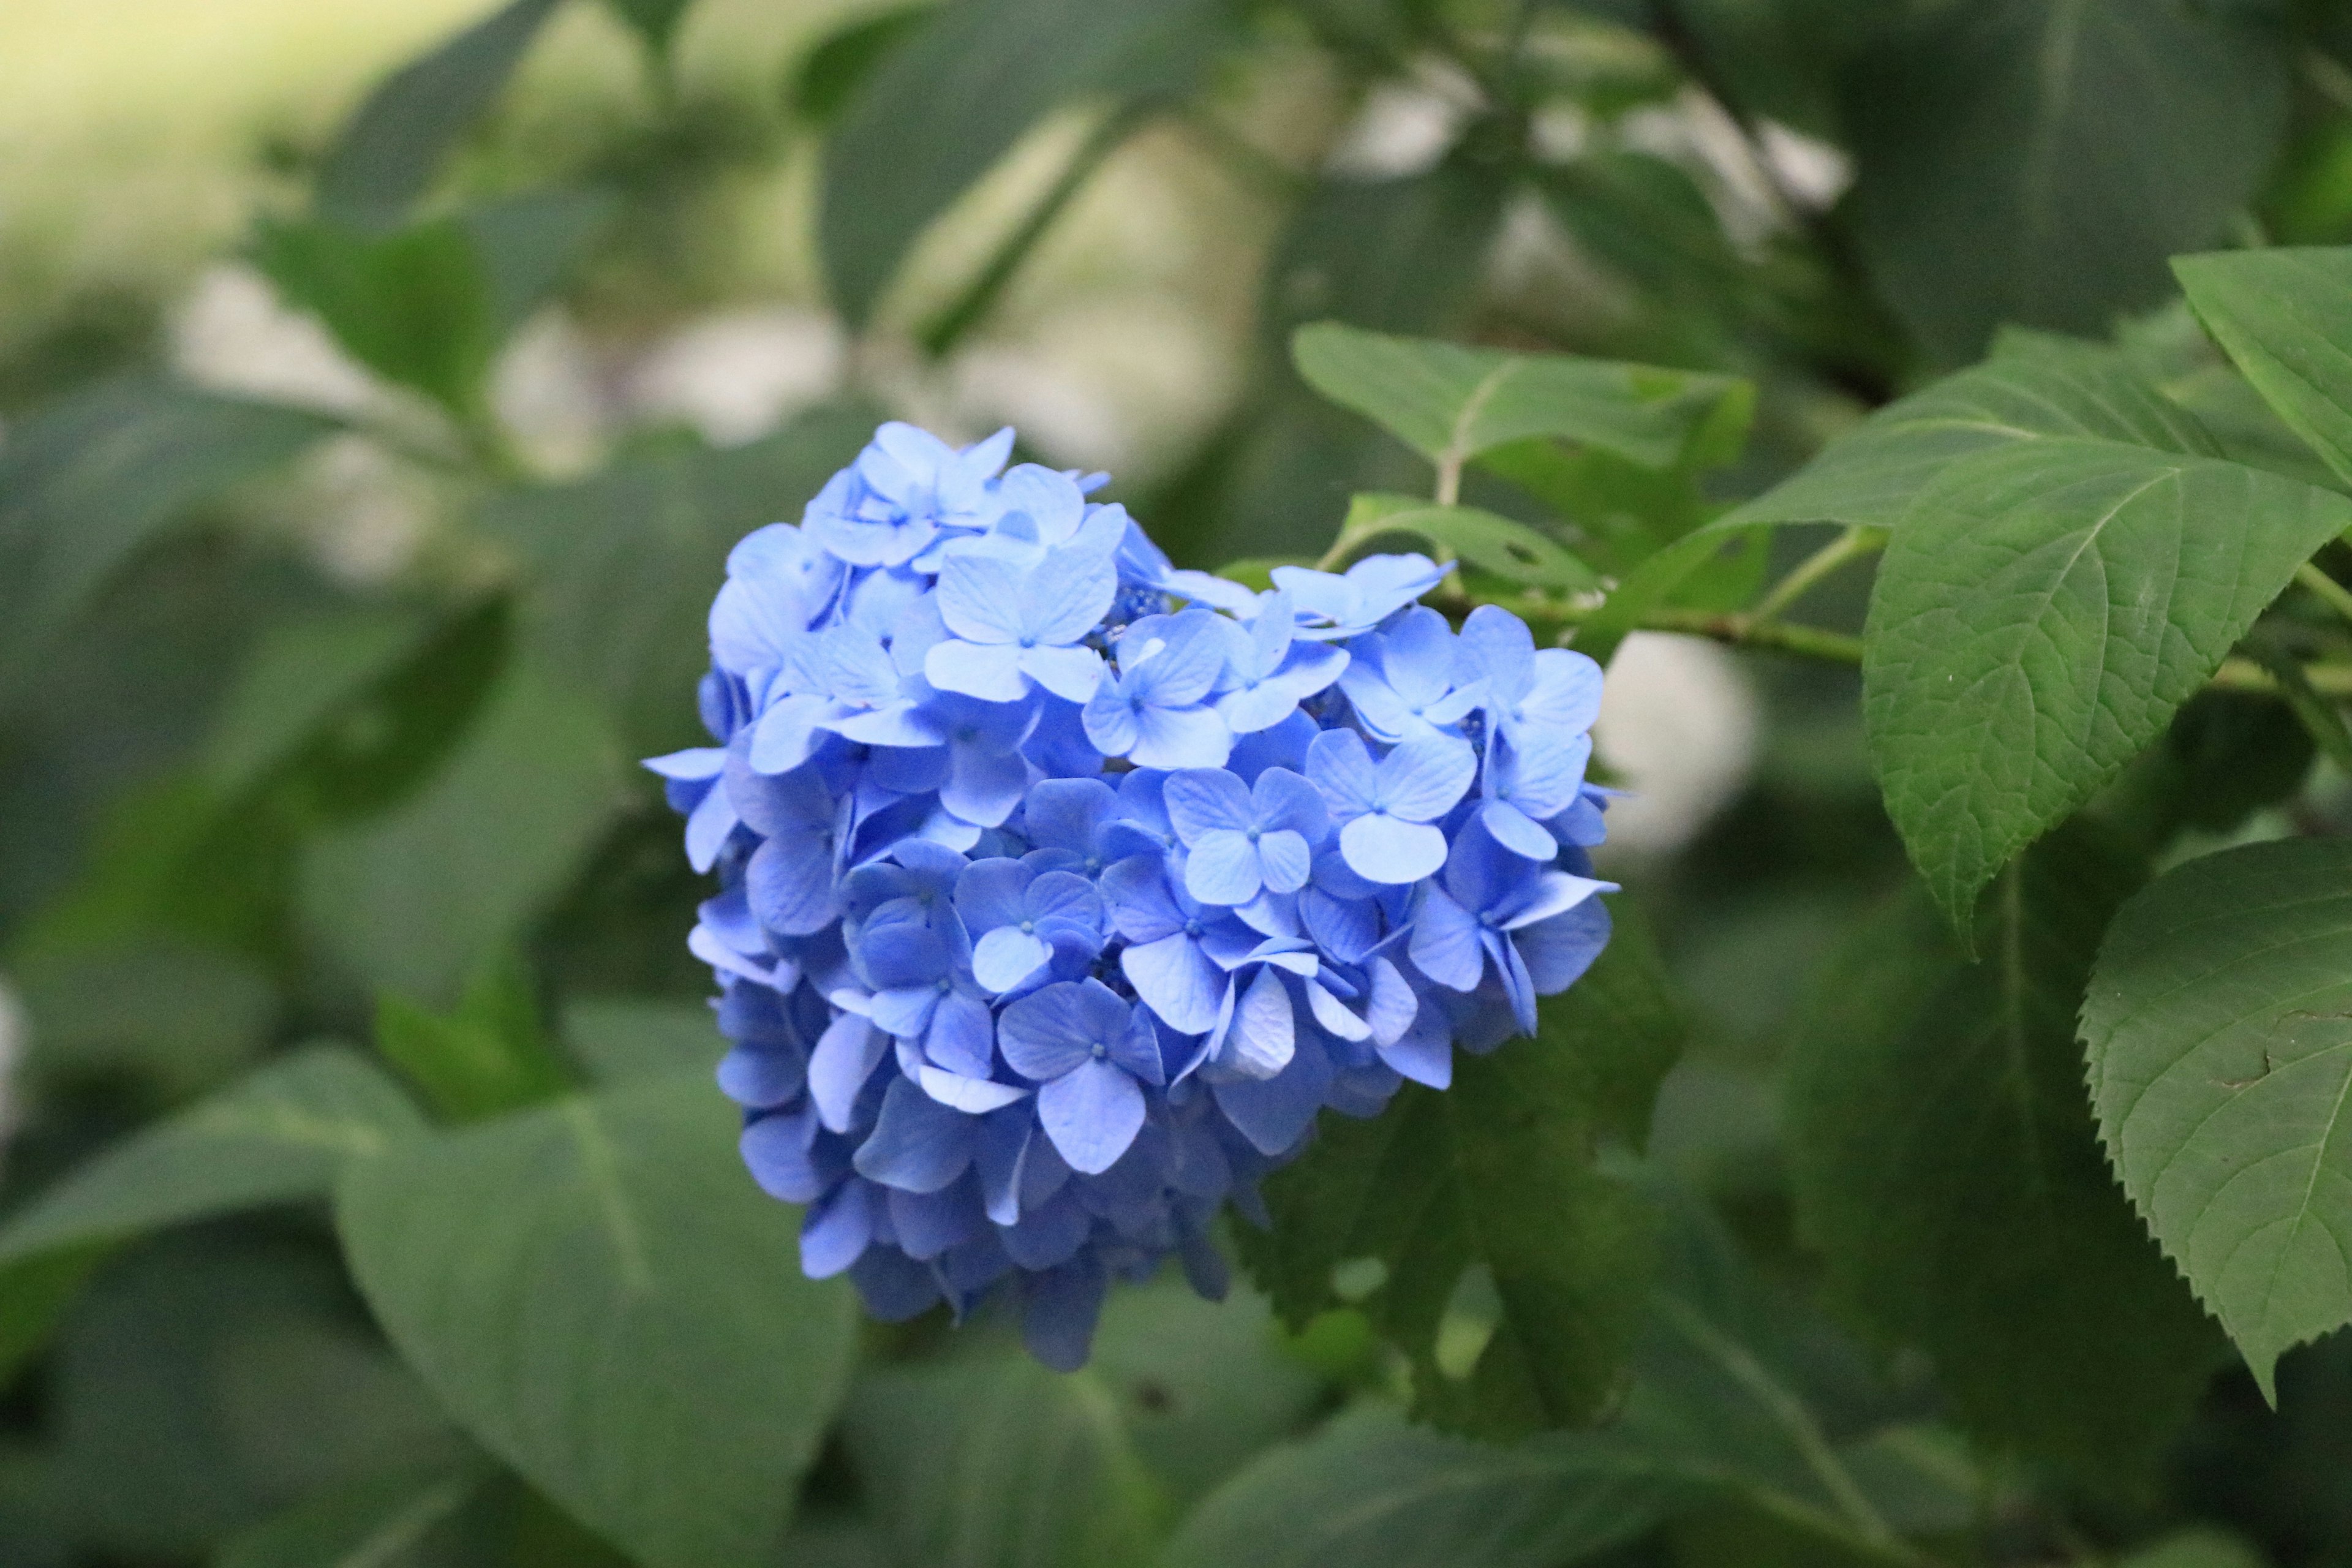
{"type": "Point", "coordinates": [1546, 291]}
{"type": "Point", "coordinates": [1496, 1176]}
{"type": "Point", "coordinates": [1942, 1161]}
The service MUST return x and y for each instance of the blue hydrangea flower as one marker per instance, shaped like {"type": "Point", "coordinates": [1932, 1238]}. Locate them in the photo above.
{"type": "Point", "coordinates": [1060, 890]}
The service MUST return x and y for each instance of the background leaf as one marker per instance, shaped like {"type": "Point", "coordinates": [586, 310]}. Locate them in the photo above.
{"type": "Point", "coordinates": [90, 480]}
{"type": "Point", "coordinates": [392, 147]}
{"type": "Point", "coordinates": [1372, 1491]}
{"type": "Point", "coordinates": [2285, 318]}
{"type": "Point", "coordinates": [601, 1297]}
{"type": "Point", "coordinates": [2032, 162]}
{"type": "Point", "coordinates": [624, 565]}
{"type": "Point", "coordinates": [995, 1462]}
{"type": "Point", "coordinates": [411, 304]}
{"type": "Point", "coordinates": [1942, 1159]}
{"type": "Point", "coordinates": [413, 902]}
{"type": "Point", "coordinates": [943, 106]}
{"type": "Point", "coordinates": [278, 1136]}
{"type": "Point", "coordinates": [403, 1519]}
{"type": "Point", "coordinates": [2221, 1061]}
{"type": "Point", "coordinates": [1511, 551]}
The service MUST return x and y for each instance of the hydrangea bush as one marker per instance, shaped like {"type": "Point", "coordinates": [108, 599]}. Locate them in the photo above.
{"type": "Point", "coordinates": [1059, 888]}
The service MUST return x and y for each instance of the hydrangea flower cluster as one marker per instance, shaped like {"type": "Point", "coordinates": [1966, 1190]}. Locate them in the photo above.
{"type": "Point", "coordinates": [1061, 889]}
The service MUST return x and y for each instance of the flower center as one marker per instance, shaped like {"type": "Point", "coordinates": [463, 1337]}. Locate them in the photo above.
{"type": "Point", "coordinates": [1100, 1050]}
{"type": "Point", "coordinates": [944, 986]}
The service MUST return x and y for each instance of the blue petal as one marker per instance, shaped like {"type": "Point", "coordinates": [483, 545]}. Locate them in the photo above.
{"type": "Point", "coordinates": [1206, 799]}
{"type": "Point", "coordinates": [1180, 738]}
{"type": "Point", "coordinates": [835, 1231]}
{"type": "Point", "coordinates": [1445, 944]}
{"type": "Point", "coordinates": [776, 1151]}
{"type": "Point", "coordinates": [1092, 1113]}
{"type": "Point", "coordinates": [961, 1037]}
{"type": "Point", "coordinates": [1177, 981]}
{"type": "Point", "coordinates": [1274, 1114]}
{"type": "Point", "coordinates": [1224, 868]}
{"type": "Point", "coordinates": [1422, 780]}
{"type": "Point", "coordinates": [1383, 850]}
{"type": "Point", "coordinates": [918, 1145]}
{"type": "Point", "coordinates": [1006, 956]}
{"type": "Point", "coordinates": [1340, 766]}
{"type": "Point", "coordinates": [846, 1055]}
{"type": "Point", "coordinates": [1262, 1037]}
{"type": "Point", "coordinates": [1058, 1322]}
{"type": "Point", "coordinates": [972, 1096]}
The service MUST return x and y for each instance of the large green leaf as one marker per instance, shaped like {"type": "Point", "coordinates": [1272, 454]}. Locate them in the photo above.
{"type": "Point", "coordinates": [414, 304]}
{"type": "Point", "coordinates": [2037, 161]}
{"type": "Point", "coordinates": [622, 1039]}
{"type": "Point", "coordinates": [1372, 1492]}
{"type": "Point", "coordinates": [1870, 475]}
{"type": "Point", "coordinates": [1202, 1386]}
{"type": "Point", "coordinates": [1395, 256]}
{"type": "Point", "coordinates": [301, 675]}
{"type": "Point", "coordinates": [390, 150]}
{"type": "Point", "coordinates": [995, 1462]}
{"type": "Point", "coordinates": [412, 1517]}
{"type": "Point", "coordinates": [2043, 608]}
{"type": "Point", "coordinates": [948, 102]}
{"type": "Point", "coordinates": [1450, 403]}
{"type": "Point", "coordinates": [279, 1136]}
{"type": "Point", "coordinates": [1492, 1180]}
{"type": "Point", "coordinates": [2285, 317]}
{"type": "Point", "coordinates": [412, 902]}
{"type": "Point", "coordinates": [1943, 1159]}
{"type": "Point", "coordinates": [2220, 1029]}
{"type": "Point", "coordinates": [85, 482]}
{"type": "Point", "coordinates": [624, 564]}
{"type": "Point", "coordinates": [599, 1295]}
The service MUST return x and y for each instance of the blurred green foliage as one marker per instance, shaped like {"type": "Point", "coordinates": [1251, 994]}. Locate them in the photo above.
{"type": "Point", "coordinates": [366, 1201]}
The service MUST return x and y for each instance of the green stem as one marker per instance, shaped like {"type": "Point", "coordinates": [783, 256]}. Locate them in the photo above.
{"type": "Point", "coordinates": [1743, 631]}
{"type": "Point", "coordinates": [949, 326]}
{"type": "Point", "coordinates": [2337, 596]}
{"type": "Point", "coordinates": [1851, 545]}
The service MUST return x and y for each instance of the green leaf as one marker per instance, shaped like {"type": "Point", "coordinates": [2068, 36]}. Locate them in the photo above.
{"type": "Point", "coordinates": [1944, 1161]}
{"type": "Point", "coordinates": [278, 1137]}
{"type": "Point", "coordinates": [413, 900]}
{"type": "Point", "coordinates": [1201, 1386]}
{"type": "Point", "coordinates": [2072, 393]}
{"type": "Point", "coordinates": [995, 1462]}
{"type": "Point", "coordinates": [828, 75]}
{"type": "Point", "coordinates": [34, 1293]}
{"type": "Point", "coordinates": [415, 305]}
{"type": "Point", "coordinates": [301, 675]}
{"type": "Point", "coordinates": [655, 21]}
{"type": "Point", "coordinates": [2042, 610]}
{"type": "Point", "coordinates": [2197, 1549]}
{"type": "Point", "coordinates": [397, 1519]}
{"type": "Point", "coordinates": [2285, 317]}
{"type": "Point", "coordinates": [393, 145]}
{"type": "Point", "coordinates": [1372, 1492]}
{"type": "Point", "coordinates": [2037, 161]}
{"type": "Point", "coordinates": [1511, 551]}
{"type": "Point", "coordinates": [1491, 1184]}
{"type": "Point", "coordinates": [207, 1380]}
{"type": "Point", "coordinates": [622, 1040]}
{"type": "Point", "coordinates": [1450, 403]}
{"type": "Point", "coordinates": [600, 1296]}
{"type": "Point", "coordinates": [949, 102]}
{"type": "Point", "coordinates": [489, 1055]}
{"type": "Point", "coordinates": [2221, 1067]}
{"type": "Point", "coordinates": [86, 482]}
{"type": "Point", "coordinates": [530, 244]}
{"type": "Point", "coordinates": [624, 564]}
{"type": "Point", "coordinates": [1397, 255]}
